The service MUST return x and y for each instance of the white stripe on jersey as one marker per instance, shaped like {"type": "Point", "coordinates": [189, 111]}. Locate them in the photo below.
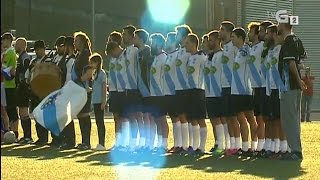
{"type": "Point", "coordinates": [195, 67]}
{"type": "Point", "coordinates": [241, 84]}
{"type": "Point", "coordinates": [229, 53]}
{"type": "Point", "coordinates": [273, 76]}
{"type": "Point", "coordinates": [121, 73]}
{"type": "Point", "coordinates": [170, 73]}
{"type": "Point", "coordinates": [215, 71]}
{"type": "Point", "coordinates": [156, 76]}
{"type": "Point", "coordinates": [112, 78]}
{"type": "Point", "coordinates": [255, 62]}
{"type": "Point", "coordinates": [180, 80]}
{"type": "Point", "coordinates": [131, 55]}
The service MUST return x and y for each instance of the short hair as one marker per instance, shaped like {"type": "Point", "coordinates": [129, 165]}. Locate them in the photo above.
{"type": "Point", "coordinates": [184, 29]}
{"type": "Point", "coordinates": [265, 24]}
{"type": "Point", "coordinates": [158, 38]}
{"type": "Point", "coordinates": [130, 29]}
{"type": "Point", "coordinates": [7, 35]}
{"type": "Point", "coordinates": [272, 28]}
{"type": "Point", "coordinates": [22, 39]}
{"type": "Point", "coordinates": [205, 36]}
{"type": "Point", "coordinates": [240, 32]}
{"type": "Point", "coordinates": [142, 34]}
{"type": "Point", "coordinates": [69, 41]}
{"type": "Point", "coordinates": [171, 36]}
{"type": "Point", "coordinates": [60, 41]}
{"type": "Point", "coordinates": [193, 39]}
{"type": "Point", "coordinates": [111, 46]}
{"type": "Point", "coordinates": [229, 26]}
{"type": "Point", "coordinates": [254, 26]}
{"type": "Point", "coordinates": [116, 37]}
{"type": "Point", "coordinates": [214, 33]}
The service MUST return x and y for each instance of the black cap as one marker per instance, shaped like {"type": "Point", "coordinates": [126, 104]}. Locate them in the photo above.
{"type": "Point", "coordinates": [69, 41]}
{"type": "Point", "coordinates": [60, 41]}
{"type": "Point", "coordinates": [7, 35]}
{"type": "Point", "coordinates": [39, 44]}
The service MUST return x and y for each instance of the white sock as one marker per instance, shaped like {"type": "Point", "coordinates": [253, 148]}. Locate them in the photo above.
{"type": "Point", "coordinates": [196, 137]}
{"type": "Point", "coordinates": [254, 145]}
{"type": "Point", "coordinates": [220, 135]}
{"type": "Point", "coordinates": [142, 142]}
{"type": "Point", "coordinates": [267, 145]}
{"type": "Point", "coordinates": [238, 143]}
{"type": "Point", "coordinates": [190, 134]}
{"type": "Point", "coordinates": [159, 141]}
{"type": "Point", "coordinates": [232, 142]}
{"type": "Point", "coordinates": [283, 146]}
{"type": "Point", "coordinates": [184, 135]}
{"type": "Point", "coordinates": [152, 136]}
{"type": "Point", "coordinates": [165, 143]}
{"type": "Point", "coordinates": [118, 139]}
{"type": "Point", "coordinates": [226, 136]}
{"type": "Point", "coordinates": [272, 146]}
{"type": "Point", "coordinates": [125, 133]}
{"type": "Point", "coordinates": [260, 144]}
{"type": "Point", "coordinates": [245, 146]}
{"type": "Point", "coordinates": [203, 138]}
{"type": "Point", "coordinates": [276, 145]}
{"type": "Point", "coordinates": [177, 134]}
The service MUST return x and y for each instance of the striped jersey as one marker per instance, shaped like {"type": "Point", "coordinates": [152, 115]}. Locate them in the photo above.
{"type": "Point", "coordinates": [212, 75]}
{"type": "Point", "coordinates": [273, 76]}
{"type": "Point", "coordinates": [241, 84]}
{"type": "Point", "coordinates": [156, 75]}
{"type": "Point", "coordinates": [112, 77]}
{"type": "Point", "coordinates": [229, 52]}
{"type": "Point", "coordinates": [195, 67]}
{"type": "Point", "coordinates": [121, 72]}
{"type": "Point", "coordinates": [180, 80]}
{"type": "Point", "coordinates": [254, 63]}
{"type": "Point", "coordinates": [131, 59]}
{"type": "Point", "coordinates": [170, 73]}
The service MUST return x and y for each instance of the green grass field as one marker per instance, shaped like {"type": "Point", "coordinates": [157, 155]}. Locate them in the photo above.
{"type": "Point", "coordinates": [30, 162]}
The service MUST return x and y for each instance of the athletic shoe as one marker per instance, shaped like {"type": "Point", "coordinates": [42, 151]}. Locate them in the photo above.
{"type": "Point", "coordinates": [260, 153]}
{"type": "Point", "coordinates": [218, 152]}
{"type": "Point", "coordinates": [24, 141]}
{"type": "Point", "coordinates": [268, 154]}
{"type": "Point", "coordinates": [198, 152]}
{"type": "Point", "coordinates": [83, 146]}
{"type": "Point", "coordinates": [190, 150]}
{"type": "Point", "coordinates": [66, 146]}
{"type": "Point", "coordinates": [248, 153]}
{"type": "Point", "coordinates": [177, 150]}
{"type": "Point", "coordinates": [183, 152]}
{"type": "Point", "coordinates": [40, 143]}
{"type": "Point", "coordinates": [231, 152]}
{"type": "Point", "coordinates": [214, 148]}
{"type": "Point", "coordinates": [99, 147]}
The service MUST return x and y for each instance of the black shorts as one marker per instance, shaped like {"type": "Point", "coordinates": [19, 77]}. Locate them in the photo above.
{"type": "Point", "coordinates": [169, 105]}
{"type": "Point", "coordinates": [260, 101]}
{"type": "Point", "coordinates": [226, 102]}
{"type": "Point", "coordinates": [117, 102]}
{"type": "Point", "coordinates": [273, 105]}
{"type": "Point", "coordinates": [241, 103]}
{"type": "Point", "coordinates": [87, 107]}
{"type": "Point", "coordinates": [23, 94]}
{"type": "Point", "coordinates": [181, 102]}
{"type": "Point", "coordinates": [196, 104]}
{"type": "Point", "coordinates": [214, 108]}
{"type": "Point", "coordinates": [156, 106]}
{"type": "Point", "coordinates": [11, 107]}
{"type": "Point", "coordinates": [132, 102]}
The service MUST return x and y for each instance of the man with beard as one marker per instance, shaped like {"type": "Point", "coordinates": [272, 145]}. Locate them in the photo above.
{"type": "Point", "coordinates": [59, 45]}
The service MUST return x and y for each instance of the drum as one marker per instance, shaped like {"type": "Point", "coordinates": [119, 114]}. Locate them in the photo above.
{"type": "Point", "coordinates": [45, 78]}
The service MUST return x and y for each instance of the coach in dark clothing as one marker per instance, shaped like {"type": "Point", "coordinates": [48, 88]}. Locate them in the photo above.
{"type": "Point", "coordinates": [290, 98]}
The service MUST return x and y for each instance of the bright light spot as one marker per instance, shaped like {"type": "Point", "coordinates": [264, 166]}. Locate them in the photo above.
{"type": "Point", "coordinates": [168, 11]}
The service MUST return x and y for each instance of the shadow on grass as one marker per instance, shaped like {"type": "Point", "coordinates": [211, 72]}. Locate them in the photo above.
{"type": "Point", "coordinates": [258, 167]}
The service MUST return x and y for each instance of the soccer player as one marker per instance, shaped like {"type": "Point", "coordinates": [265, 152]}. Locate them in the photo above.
{"type": "Point", "coordinates": [10, 61]}
{"type": "Point", "coordinates": [290, 104]}
{"type": "Point", "coordinates": [141, 37]}
{"type": "Point", "coordinates": [274, 84]}
{"type": "Point", "coordinates": [204, 44]}
{"type": "Point", "coordinates": [133, 96]}
{"type": "Point", "coordinates": [169, 89]}
{"type": "Point", "coordinates": [241, 91]}
{"type": "Point", "coordinates": [23, 91]}
{"type": "Point", "coordinates": [59, 45]}
{"type": "Point", "coordinates": [181, 86]}
{"type": "Point", "coordinates": [196, 100]}
{"type": "Point", "coordinates": [229, 52]}
{"type": "Point", "coordinates": [157, 91]}
{"type": "Point", "coordinates": [212, 75]}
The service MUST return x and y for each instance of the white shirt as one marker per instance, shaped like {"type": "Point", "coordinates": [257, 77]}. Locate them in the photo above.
{"type": "Point", "coordinates": [156, 75]}
{"type": "Point", "coordinates": [180, 79]}
{"type": "Point", "coordinates": [214, 75]}
{"type": "Point", "coordinates": [241, 84]}
{"type": "Point", "coordinates": [69, 66]}
{"type": "Point", "coordinates": [195, 67]}
{"type": "Point", "coordinates": [131, 55]}
{"type": "Point", "coordinates": [229, 52]}
{"type": "Point", "coordinates": [57, 58]}
{"type": "Point", "coordinates": [273, 76]}
{"type": "Point", "coordinates": [112, 77]}
{"type": "Point", "coordinates": [254, 62]}
{"type": "Point", "coordinates": [170, 73]}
